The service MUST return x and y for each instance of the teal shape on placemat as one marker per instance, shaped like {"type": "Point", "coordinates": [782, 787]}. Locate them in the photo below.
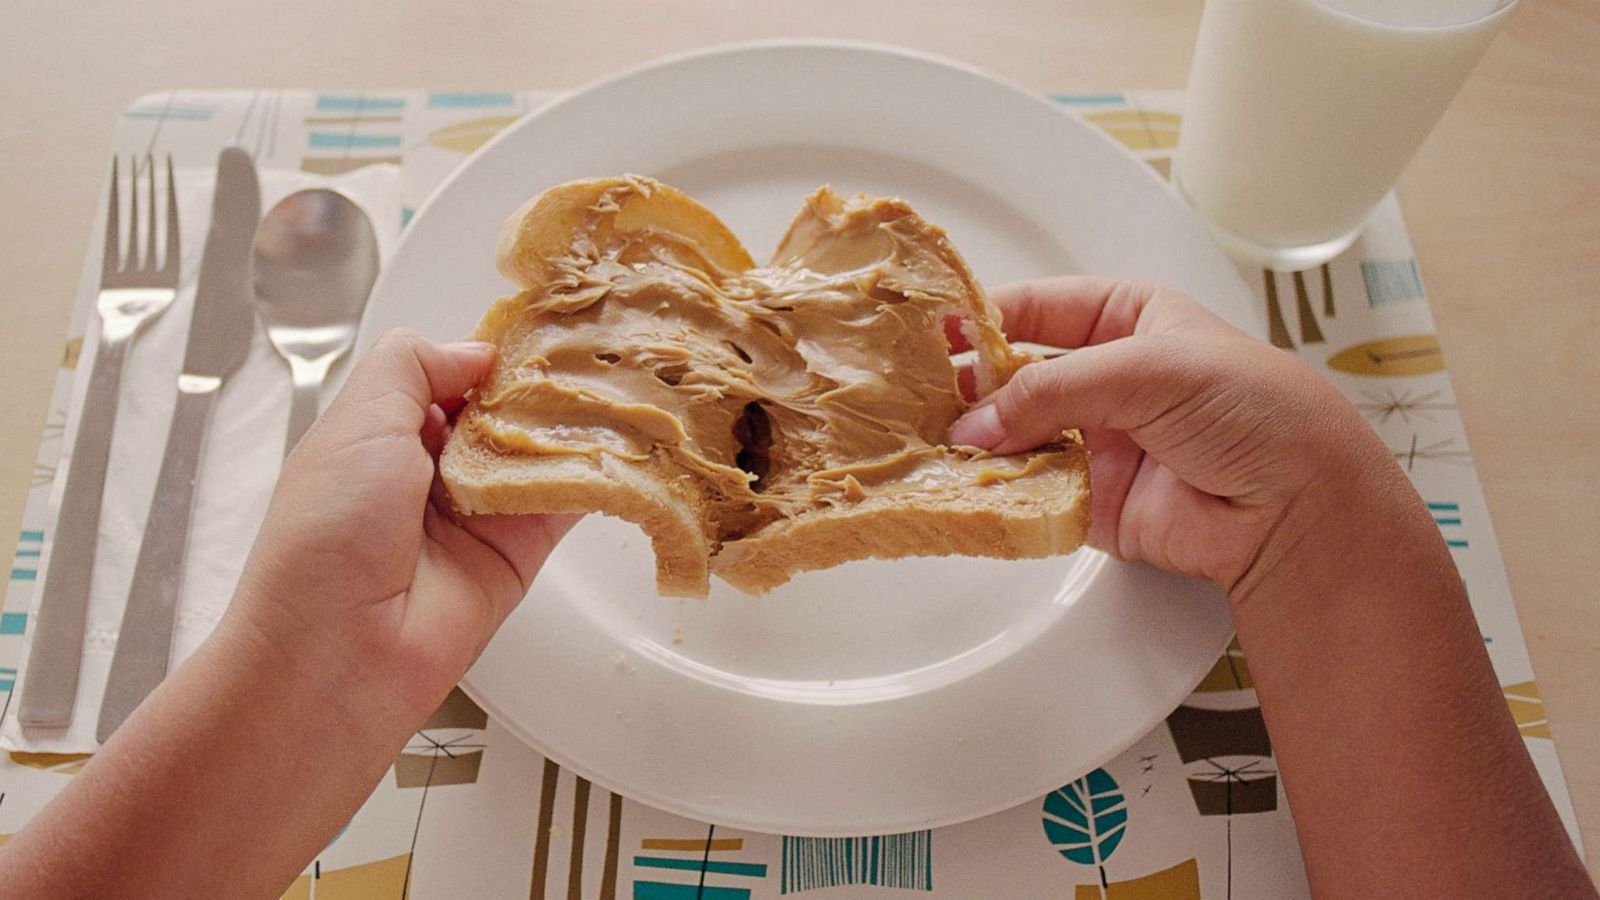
{"type": "Point", "coordinates": [13, 623]}
{"type": "Point", "coordinates": [173, 113]}
{"type": "Point", "coordinates": [660, 890]}
{"type": "Point", "coordinates": [1087, 819]}
{"type": "Point", "coordinates": [891, 860]}
{"type": "Point", "coordinates": [23, 573]}
{"type": "Point", "coordinates": [1391, 281]}
{"type": "Point", "coordinates": [344, 102]}
{"type": "Point", "coordinates": [471, 100]}
{"type": "Point", "coordinates": [754, 870]}
{"type": "Point", "coordinates": [1089, 99]}
{"type": "Point", "coordinates": [1448, 515]}
{"type": "Point", "coordinates": [333, 140]}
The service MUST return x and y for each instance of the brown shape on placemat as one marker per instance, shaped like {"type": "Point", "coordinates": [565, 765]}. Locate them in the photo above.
{"type": "Point", "coordinates": [70, 353]}
{"type": "Point", "coordinates": [1179, 882]}
{"type": "Point", "coordinates": [1205, 733]}
{"type": "Point", "coordinates": [1228, 794]}
{"type": "Point", "coordinates": [457, 711]}
{"type": "Point", "coordinates": [64, 763]}
{"type": "Point", "coordinates": [1229, 673]}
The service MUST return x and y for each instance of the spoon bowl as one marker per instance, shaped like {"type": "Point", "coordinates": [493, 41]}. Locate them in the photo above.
{"type": "Point", "coordinates": [316, 257]}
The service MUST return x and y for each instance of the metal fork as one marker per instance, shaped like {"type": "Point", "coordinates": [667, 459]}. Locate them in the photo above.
{"type": "Point", "coordinates": [133, 291]}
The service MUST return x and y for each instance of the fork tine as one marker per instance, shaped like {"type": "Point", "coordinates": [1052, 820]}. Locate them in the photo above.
{"type": "Point", "coordinates": [171, 265]}
{"type": "Point", "coordinates": [112, 260]}
{"type": "Point", "coordinates": [131, 261]}
{"type": "Point", "coordinates": [150, 213]}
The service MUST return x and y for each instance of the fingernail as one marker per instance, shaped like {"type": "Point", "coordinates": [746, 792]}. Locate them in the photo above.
{"type": "Point", "coordinates": [478, 348]}
{"type": "Point", "coordinates": [978, 428]}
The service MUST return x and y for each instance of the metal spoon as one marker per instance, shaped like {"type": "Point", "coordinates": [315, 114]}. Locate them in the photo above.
{"type": "Point", "coordinates": [316, 257]}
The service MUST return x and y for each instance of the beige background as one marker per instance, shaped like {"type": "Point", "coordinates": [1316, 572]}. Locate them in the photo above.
{"type": "Point", "coordinates": [1504, 203]}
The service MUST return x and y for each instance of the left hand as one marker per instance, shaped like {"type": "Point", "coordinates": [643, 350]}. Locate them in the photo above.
{"type": "Point", "coordinates": [361, 554]}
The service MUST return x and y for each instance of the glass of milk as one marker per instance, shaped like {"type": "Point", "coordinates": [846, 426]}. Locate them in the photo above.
{"type": "Point", "coordinates": [1301, 113]}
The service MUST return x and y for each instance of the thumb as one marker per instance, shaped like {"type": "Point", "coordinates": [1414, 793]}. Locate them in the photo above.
{"type": "Point", "coordinates": [1122, 385]}
{"type": "Point", "coordinates": [391, 389]}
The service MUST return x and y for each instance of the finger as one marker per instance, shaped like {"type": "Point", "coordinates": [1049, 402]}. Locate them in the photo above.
{"type": "Point", "coordinates": [1168, 522]}
{"type": "Point", "coordinates": [395, 383]}
{"type": "Point", "coordinates": [967, 381]}
{"type": "Point", "coordinates": [1072, 310]}
{"type": "Point", "coordinates": [521, 542]}
{"type": "Point", "coordinates": [954, 336]}
{"type": "Point", "coordinates": [1064, 311]}
{"type": "Point", "coordinates": [1122, 385]}
{"type": "Point", "coordinates": [1114, 460]}
{"type": "Point", "coordinates": [524, 541]}
{"type": "Point", "coordinates": [435, 431]}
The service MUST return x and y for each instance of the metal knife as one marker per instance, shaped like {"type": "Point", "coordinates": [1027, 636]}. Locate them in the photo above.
{"type": "Point", "coordinates": [220, 330]}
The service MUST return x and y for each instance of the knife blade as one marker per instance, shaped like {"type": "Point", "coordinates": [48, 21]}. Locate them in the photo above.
{"type": "Point", "coordinates": [224, 312]}
{"type": "Point", "coordinates": [220, 329]}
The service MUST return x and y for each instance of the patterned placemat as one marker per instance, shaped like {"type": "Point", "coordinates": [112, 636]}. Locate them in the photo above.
{"type": "Point", "coordinates": [1193, 810]}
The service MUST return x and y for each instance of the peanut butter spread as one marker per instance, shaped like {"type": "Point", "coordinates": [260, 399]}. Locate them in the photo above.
{"type": "Point", "coordinates": [822, 378]}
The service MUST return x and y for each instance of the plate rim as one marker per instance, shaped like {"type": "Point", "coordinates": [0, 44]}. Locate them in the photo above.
{"type": "Point", "coordinates": [668, 804]}
{"type": "Point", "coordinates": [364, 337]}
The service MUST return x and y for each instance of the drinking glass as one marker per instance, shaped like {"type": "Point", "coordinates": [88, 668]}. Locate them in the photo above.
{"type": "Point", "coordinates": [1301, 114]}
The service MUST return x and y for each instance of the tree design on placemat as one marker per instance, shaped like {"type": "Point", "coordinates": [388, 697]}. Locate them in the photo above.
{"type": "Point", "coordinates": [1087, 819]}
{"type": "Point", "coordinates": [1228, 762]}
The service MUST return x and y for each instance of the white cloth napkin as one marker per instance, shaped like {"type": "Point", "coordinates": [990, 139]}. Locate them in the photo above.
{"type": "Point", "coordinates": [241, 458]}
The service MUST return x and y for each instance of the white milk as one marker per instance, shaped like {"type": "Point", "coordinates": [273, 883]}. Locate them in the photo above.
{"type": "Point", "coordinates": [1301, 113]}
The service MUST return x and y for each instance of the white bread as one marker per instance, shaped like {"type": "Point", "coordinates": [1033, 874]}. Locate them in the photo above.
{"type": "Point", "coordinates": [755, 422]}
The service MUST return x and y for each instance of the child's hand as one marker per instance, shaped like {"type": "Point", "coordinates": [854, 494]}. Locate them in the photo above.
{"type": "Point", "coordinates": [1218, 456]}
{"type": "Point", "coordinates": [361, 605]}
{"type": "Point", "coordinates": [1212, 453]}
{"type": "Point", "coordinates": [361, 554]}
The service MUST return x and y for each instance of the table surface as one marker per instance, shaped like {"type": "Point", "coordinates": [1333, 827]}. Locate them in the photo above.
{"type": "Point", "coordinates": [1503, 204]}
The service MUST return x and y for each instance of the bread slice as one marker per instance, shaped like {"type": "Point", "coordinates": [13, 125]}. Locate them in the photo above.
{"type": "Point", "coordinates": [754, 421]}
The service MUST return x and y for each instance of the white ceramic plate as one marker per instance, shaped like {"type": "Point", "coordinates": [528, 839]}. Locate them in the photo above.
{"type": "Point", "coordinates": [877, 696]}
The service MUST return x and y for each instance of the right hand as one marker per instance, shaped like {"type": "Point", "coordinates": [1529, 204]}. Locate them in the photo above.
{"type": "Point", "coordinates": [361, 550]}
{"type": "Point", "coordinates": [1212, 454]}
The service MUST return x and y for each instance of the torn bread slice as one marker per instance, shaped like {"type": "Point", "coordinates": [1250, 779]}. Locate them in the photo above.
{"type": "Point", "coordinates": [755, 421]}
